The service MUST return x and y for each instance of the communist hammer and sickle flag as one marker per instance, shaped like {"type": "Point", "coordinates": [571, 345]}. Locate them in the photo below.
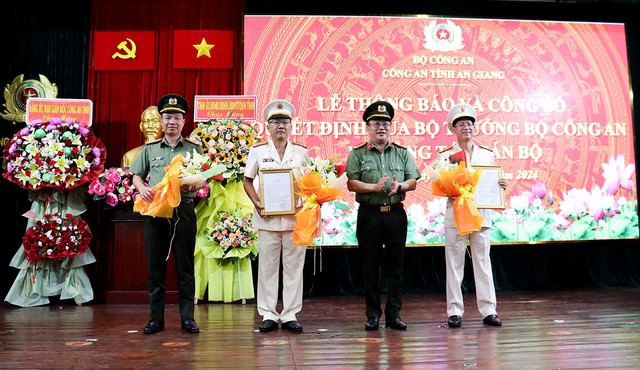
{"type": "Point", "coordinates": [128, 48]}
{"type": "Point", "coordinates": [123, 50]}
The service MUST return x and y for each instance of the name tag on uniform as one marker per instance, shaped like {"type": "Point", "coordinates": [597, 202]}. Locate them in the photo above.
{"type": "Point", "coordinates": [268, 160]}
{"type": "Point", "coordinates": [366, 161]}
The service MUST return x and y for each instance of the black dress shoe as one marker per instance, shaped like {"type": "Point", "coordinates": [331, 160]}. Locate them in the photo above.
{"type": "Point", "coordinates": [454, 321]}
{"type": "Point", "coordinates": [292, 327]}
{"type": "Point", "coordinates": [268, 325]}
{"type": "Point", "coordinates": [190, 326]}
{"type": "Point", "coordinates": [395, 323]}
{"type": "Point", "coordinates": [492, 320]}
{"type": "Point", "coordinates": [372, 323]}
{"type": "Point", "coordinates": [153, 326]}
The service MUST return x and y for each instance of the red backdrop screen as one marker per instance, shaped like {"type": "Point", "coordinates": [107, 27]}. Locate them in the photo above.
{"type": "Point", "coordinates": [553, 102]}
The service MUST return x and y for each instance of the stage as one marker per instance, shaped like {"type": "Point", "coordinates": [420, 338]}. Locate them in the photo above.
{"type": "Point", "coordinates": [567, 329]}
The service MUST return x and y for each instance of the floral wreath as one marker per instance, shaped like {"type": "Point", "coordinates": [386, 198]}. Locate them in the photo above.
{"type": "Point", "coordinates": [56, 237]}
{"type": "Point", "coordinates": [59, 154]}
{"type": "Point", "coordinates": [231, 237]}
{"type": "Point", "coordinates": [227, 142]}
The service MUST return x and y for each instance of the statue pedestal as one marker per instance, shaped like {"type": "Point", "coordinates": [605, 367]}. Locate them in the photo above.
{"type": "Point", "coordinates": [128, 266]}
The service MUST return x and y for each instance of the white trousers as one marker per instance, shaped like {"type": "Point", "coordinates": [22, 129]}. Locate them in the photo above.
{"type": "Point", "coordinates": [455, 249]}
{"type": "Point", "coordinates": [272, 245]}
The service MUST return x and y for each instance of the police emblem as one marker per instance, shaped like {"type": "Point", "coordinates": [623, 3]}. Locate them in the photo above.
{"type": "Point", "coordinates": [19, 91]}
{"type": "Point", "coordinates": [443, 36]}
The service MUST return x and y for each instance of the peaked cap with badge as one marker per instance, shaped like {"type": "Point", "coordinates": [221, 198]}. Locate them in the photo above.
{"type": "Point", "coordinates": [173, 103]}
{"type": "Point", "coordinates": [279, 108]}
{"type": "Point", "coordinates": [459, 111]}
{"type": "Point", "coordinates": [380, 110]}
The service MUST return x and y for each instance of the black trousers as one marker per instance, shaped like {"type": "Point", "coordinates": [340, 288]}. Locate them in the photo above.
{"type": "Point", "coordinates": [178, 235]}
{"type": "Point", "coordinates": [375, 229]}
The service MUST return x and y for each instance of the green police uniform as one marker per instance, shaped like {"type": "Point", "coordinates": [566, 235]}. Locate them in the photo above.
{"type": "Point", "coordinates": [367, 164]}
{"type": "Point", "coordinates": [382, 220]}
{"type": "Point", "coordinates": [162, 235]}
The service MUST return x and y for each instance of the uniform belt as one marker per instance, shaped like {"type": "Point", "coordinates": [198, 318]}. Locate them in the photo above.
{"type": "Point", "coordinates": [379, 208]}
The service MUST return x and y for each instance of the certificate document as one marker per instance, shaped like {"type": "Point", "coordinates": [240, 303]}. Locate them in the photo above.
{"type": "Point", "coordinates": [488, 193]}
{"type": "Point", "coordinates": [276, 192]}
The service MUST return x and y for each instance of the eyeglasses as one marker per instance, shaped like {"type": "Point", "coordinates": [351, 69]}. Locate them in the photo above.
{"type": "Point", "coordinates": [464, 124]}
{"type": "Point", "coordinates": [276, 122]}
{"type": "Point", "coordinates": [380, 124]}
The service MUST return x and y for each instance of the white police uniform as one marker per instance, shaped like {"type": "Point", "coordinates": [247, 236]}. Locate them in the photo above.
{"type": "Point", "coordinates": [275, 232]}
{"type": "Point", "coordinates": [479, 241]}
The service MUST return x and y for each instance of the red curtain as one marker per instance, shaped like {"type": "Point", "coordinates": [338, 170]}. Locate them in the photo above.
{"type": "Point", "coordinates": [119, 97]}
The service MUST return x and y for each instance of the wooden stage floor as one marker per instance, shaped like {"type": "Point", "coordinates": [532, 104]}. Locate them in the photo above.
{"type": "Point", "coordinates": [576, 329]}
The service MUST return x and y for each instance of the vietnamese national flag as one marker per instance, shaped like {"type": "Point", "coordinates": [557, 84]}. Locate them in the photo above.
{"type": "Point", "coordinates": [203, 49]}
{"type": "Point", "coordinates": [122, 50]}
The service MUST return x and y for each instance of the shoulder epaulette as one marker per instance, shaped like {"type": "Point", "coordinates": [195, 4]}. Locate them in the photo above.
{"type": "Point", "coordinates": [298, 144]}
{"type": "Point", "coordinates": [399, 146]}
{"type": "Point", "coordinates": [360, 145]}
{"type": "Point", "coordinates": [193, 141]}
{"type": "Point", "coordinates": [260, 144]}
{"type": "Point", "coordinates": [153, 141]}
{"type": "Point", "coordinates": [445, 149]}
{"type": "Point", "coordinates": [485, 148]}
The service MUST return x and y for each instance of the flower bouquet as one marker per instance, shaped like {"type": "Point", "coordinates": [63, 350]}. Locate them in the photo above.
{"type": "Point", "coordinates": [227, 142]}
{"type": "Point", "coordinates": [455, 180]}
{"type": "Point", "coordinates": [56, 237]}
{"type": "Point", "coordinates": [192, 170]}
{"type": "Point", "coordinates": [115, 185]}
{"type": "Point", "coordinates": [56, 154]}
{"type": "Point", "coordinates": [231, 237]}
{"type": "Point", "coordinates": [321, 182]}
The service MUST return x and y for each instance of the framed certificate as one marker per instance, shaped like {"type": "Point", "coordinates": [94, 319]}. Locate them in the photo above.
{"type": "Point", "coordinates": [488, 193]}
{"type": "Point", "coordinates": [276, 192]}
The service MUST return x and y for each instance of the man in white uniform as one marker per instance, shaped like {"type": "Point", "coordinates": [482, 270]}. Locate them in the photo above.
{"type": "Point", "coordinates": [461, 121]}
{"type": "Point", "coordinates": [275, 231]}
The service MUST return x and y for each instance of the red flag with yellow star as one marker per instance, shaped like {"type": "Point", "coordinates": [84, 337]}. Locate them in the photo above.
{"type": "Point", "coordinates": [203, 49]}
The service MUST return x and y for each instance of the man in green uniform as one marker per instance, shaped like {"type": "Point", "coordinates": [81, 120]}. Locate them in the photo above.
{"type": "Point", "coordinates": [380, 173]}
{"type": "Point", "coordinates": [162, 235]}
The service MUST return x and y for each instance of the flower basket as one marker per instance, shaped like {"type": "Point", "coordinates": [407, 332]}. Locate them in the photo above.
{"type": "Point", "coordinates": [230, 237]}
{"type": "Point", "coordinates": [115, 185]}
{"type": "Point", "coordinates": [226, 142]}
{"type": "Point", "coordinates": [56, 154]}
{"type": "Point", "coordinates": [56, 237]}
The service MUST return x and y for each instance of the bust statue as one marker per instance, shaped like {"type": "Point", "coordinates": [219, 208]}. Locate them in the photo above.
{"type": "Point", "coordinates": [151, 128]}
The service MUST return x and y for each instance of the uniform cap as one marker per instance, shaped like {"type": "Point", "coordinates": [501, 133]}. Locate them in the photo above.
{"type": "Point", "coordinates": [279, 108]}
{"type": "Point", "coordinates": [379, 110]}
{"type": "Point", "coordinates": [462, 110]}
{"type": "Point", "coordinates": [173, 103]}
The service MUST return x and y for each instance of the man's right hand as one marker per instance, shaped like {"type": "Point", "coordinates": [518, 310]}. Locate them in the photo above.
{"type": "Point", "coordinates": [147, 194]}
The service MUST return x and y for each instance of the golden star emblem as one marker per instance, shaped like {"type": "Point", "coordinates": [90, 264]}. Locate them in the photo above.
{"type": "Point", "coordinates": [203, 48]}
